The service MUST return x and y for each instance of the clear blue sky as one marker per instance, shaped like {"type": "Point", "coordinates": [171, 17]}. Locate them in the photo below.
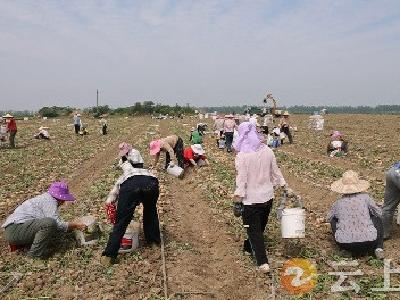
{"type": "Point", "coordinates": [203, 52]}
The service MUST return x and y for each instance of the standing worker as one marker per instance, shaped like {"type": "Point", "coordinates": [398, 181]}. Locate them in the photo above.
{"type": "Point", "coordinates": [285, 126]}
{"type": "Point", "coordinates": [77, 123]}
{"type": "Point", "coordinates": [219, 126]}
{"type": "Point", "coordinates": [11, 128]}
{"type": "Point", "coordinates": [257, 174]}
{"type": "Point", "coordinates": [229, 128]}
{"type": "Point", "coordinates": [103, 123]}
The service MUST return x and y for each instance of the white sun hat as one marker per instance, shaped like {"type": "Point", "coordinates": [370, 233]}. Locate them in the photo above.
{"type": "Point", "coordinates": [198, 149]}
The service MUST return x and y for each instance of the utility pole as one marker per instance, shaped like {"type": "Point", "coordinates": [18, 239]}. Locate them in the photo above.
{"type": "Point", "coordinates": [97, 101]}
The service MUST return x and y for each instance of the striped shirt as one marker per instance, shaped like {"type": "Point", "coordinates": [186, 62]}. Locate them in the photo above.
{"type": "Point", "coordinates": [42, 206]}
{"type": "Point", "coordinates": [129, 171]}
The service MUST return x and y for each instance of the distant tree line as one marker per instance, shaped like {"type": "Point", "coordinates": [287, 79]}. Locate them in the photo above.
{"type": "Point", "coordinates": [55, 111]}
{"type": "Point", "coordinates": [379, 109]}
{"type": "Point", "coordinates": [139, 108]}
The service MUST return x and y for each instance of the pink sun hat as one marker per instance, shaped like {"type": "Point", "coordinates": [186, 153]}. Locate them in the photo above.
{"type": "Point", "coordinates": [336, 134]}
{"type": "Point", "coordinates": [124, 148]}
{"type": "Point", "coordinates": [155, 147]}
{"type": "Point", "coordinates": [60, 191]}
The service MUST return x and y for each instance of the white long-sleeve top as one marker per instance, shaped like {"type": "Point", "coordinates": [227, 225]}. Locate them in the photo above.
{"type": "Point", "coordinates": [128, 171]}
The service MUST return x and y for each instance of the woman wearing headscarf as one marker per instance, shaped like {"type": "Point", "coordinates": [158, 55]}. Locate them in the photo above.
{"type": "Point", "coordinates": [136, 185]}
{"type": "Point", "coordinates": [355, 218]}
{"type": "Point", "coordinates": [257, 174]}
{"type": "Point", "coordinates": [172, 146]}
{"type": "Point", "coordinates": [337, 147]}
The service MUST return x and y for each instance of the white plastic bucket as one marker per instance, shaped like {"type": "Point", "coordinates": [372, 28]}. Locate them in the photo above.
{"type": "Point", "coordinates": [175, 171]}
{"type": "Point", "coordinates": [130, 240]}
{"type": "Point", "coordinates": [293, 223]}
{"type": "Point", "coordinates": [201, 163]}
{"type": "Point", "coordinates": [91, 235]}
{"type": "Point", "coordinates": [221, 144]}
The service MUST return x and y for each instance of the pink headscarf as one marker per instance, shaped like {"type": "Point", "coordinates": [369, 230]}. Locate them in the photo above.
{"type": "Point", "coordinates": [336, 134]}
{"type": "Point", "coordinates": [248, 140]}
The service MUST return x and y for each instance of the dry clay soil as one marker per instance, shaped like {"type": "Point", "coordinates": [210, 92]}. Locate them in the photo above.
{"type": "Point", "coordinates": [202, 243]}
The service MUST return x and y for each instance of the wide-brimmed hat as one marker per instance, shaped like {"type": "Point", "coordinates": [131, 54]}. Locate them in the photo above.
{"type": "Point", "coordinates": [155, 147]}
{"type": "Point", "coordinates": [78, 115]}
{"type": "Point", "coordinates": [350, 184]}
{"type": "Point", "coordinates": [8, 116]}
{"type": "Point", "coordinates": [60, 191]}
{"type": "Point", "coordinates": [229, 116]}
{"type": "Point", "coordinates": [43, 128]}
{"type": "Point", "coordinates": [124, 148]}
{"type": "Point", "coordinates": [198, 149]}
{"type": "Point", "coordinates": [286, 113]}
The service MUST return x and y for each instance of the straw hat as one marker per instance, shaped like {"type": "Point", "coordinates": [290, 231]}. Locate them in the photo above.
{"type": "Point", "coordinates": [43, 128]}
{"type": "Point", "coordinates": [197, 149]}
{"type": "Point", "coordinates": [286, 113]}
{"type": "Point", "coordinates": [8, 116]}
{"type": "Point", "coordinates": [229, 116]}
{"type": "Point", "coordinates": [350, 184]}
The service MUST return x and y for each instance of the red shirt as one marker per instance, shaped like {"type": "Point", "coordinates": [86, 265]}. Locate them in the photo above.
{"type": "Point", "coordinates": [11, 126]}
{"type": "Point", "coordinates": [188, 154]}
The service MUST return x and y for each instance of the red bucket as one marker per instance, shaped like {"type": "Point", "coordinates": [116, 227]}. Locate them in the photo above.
{"type": "Point", "coordinates": [14, 248]}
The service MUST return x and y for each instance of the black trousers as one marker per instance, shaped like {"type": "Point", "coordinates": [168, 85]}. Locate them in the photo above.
{"type": "Point", "coordinates": [256, 218]}
{"type": "Point", "coordinates": [104, 129]}
{"type": "Point", "coordinates": [229, 140]}
{"type": "Point", "coordinates": [135, 190]}
{"type": "Point", "coordinates": [77, 128]}
{"type": "Point", "coordinates": [286, 130]}
{"type": "Point", "coordinates": [368, 247]}
{"type": "Point", "coordinates": [178, 149]}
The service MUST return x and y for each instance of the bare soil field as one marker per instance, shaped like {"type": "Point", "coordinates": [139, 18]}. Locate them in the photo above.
{"type": "Point", "coordinates": [203, 239]}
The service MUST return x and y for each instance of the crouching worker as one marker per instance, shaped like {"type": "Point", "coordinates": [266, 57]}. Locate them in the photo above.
{"type": "Point", "coordinates": [257, 174]}
{"type": "Point", "coordinates": [136, 185]}
{"type": "Point", "coordinates": [43, 134]}
{"type": "Point", "coordinates": [355, 219]}
{"type": "Point", "coordinates": [172, 146]}
{"type": "Point", "coordinates": [194, 156]}
{"type": "Point", "coordinates": [36, 221]}
{"type": "Point", "coordinates": [337, 147]}
{"type": "Point", "coordinates": [195, 136]}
